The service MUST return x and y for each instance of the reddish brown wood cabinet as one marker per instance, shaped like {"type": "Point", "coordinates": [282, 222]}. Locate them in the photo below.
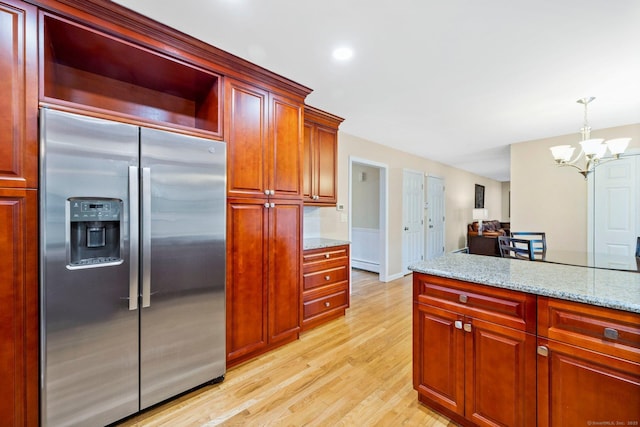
{"type": "Point", "coordinates": [320, 157]}
{"type": "Point", "coordinates": [264, 234]}
{"type": "Point", "coordinates": [474, 352]}
{"type": "Point", "coordinates": [264, 135]}
{"type": "Point", "coordinates": [18, 215]}
{"type": "Point", "coordinates": [325, 285]}
{"type": "Point", "coordinates": [19, 302]}
{"type": "Point", "coordinates": [588, 365]}
{"type": "Point", "coordinates": [263, 275]}
{"type": "Point", "coordinates": [18, 95]}
{"type": "Point", "coordinates": [480, 357]}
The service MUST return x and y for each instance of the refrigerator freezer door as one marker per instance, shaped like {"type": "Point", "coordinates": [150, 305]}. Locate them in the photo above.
{"type": "Point", "coordinates": [182, 328]}
{"type": "Point", "coordinates": [89, 357]}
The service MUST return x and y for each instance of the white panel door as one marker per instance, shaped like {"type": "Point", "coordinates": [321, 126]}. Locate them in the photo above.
{"type": "Point", "coordinates": [412, 218]}
{"type": "Point", "coordinates": [616, 208]}
{"type": "Point", "coordinates": [435, 217]}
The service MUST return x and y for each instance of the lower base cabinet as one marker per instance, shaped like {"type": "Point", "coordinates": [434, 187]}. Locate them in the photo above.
{"type": "Point", "coordinates": [325, 285]}
{"type": "Point", "coordinates": [486, 356]}
{"type": "Point", "coordinates": [474, 353]}
{"type": "Point", "coordinates": [263, 275]}
{"type": "Point", "coordinates": [19, 312]}
{"type": "Point", "coordinates": [588, 365]}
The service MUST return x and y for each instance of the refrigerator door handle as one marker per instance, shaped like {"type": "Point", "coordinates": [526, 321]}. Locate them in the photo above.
{"type": "Point", "coordinates": [134, 256]}
{"type": "Point", "coordinates": [146, 237]}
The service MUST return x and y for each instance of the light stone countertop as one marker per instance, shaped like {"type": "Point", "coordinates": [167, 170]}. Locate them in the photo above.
{"type": "Point", "coordinates": [319, 242]}
{"type": "Point", "coordinates": [606, 288]}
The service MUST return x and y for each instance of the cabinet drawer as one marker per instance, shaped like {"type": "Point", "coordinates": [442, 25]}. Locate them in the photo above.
{"type": "Point", "coordinates": [314, 259]}
{"type": "Point", "coordinates": [502, 306]}
{"type": "Point", "coordinates": [325, 277]}
{"type": "Point", "coordinates": [602, 329]}
{"type": "Point", "coordinates": [321, 305]}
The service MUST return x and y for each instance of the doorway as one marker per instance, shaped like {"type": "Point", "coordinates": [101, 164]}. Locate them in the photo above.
{"type": "Point", "coordinates": [368, 227]}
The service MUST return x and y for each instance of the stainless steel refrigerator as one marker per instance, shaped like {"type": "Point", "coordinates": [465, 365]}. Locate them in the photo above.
{"type": "Point", "coordinates": [132, 267]}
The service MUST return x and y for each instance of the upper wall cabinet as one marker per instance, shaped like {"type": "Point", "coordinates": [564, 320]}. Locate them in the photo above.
{"type": "Point", "coordinates": [18, 95]}
{"type": "Point", "coordinates": [88, 69]}
{"type": "Point", "coordinates": [264, 136]}
{"type": "Point", "coordinates": [320, 157]}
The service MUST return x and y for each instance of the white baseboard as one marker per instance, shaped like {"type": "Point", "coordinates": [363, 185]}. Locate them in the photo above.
{"type": "Point", "coordinates": [365, 265]}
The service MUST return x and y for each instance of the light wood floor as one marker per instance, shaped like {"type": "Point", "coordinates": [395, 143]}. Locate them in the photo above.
{"type": "Point", "coordinates": [353, 371]}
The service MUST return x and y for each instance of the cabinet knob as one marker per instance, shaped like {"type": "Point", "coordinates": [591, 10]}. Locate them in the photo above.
{"type": "Point", "coordinates": [266, 205]}
{"type": "Point", "coordinates": [611, 333]}
{"type": "Point", "coordinates": [458, 324]}
{"type": "Point", "coordinates": [327, 255]}
{"type": "Point", "coordinates": [272, 205]}
{"type": "Point", "coordinates": [467, 327]}
{"type": "Point", "coordinates": [266, 192]}
{"type": "Point", "coordinates": [327, 304]}
{"type": "Point", "coordinates": [327, 277]}
{"type": "Point", "coordinates": [543, 351]}
{"type": "Point", "coordinates": [463, 298]}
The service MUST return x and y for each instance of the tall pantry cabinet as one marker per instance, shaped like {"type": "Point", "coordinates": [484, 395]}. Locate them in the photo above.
{"type": "Point", "coordinates": [264, 216]}
{"type": "Point", "coordinates": [18, 215]}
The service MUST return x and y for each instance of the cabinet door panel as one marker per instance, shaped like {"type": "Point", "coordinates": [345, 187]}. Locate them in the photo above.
{"type": "Point", "coordinates": [285, 268]}
{"type": "Point", "coordinates": [581, 387]}
{"type": "Point", "coordinates": [326, 141]}
{"type": "Point", "coordinates": [246, 139]}
{"type": "Point", "coordinates": [246, 277]}
{"type": "Point", "coordinates": [18, 95]}
{"type": "Point", "coordinates": [438, 357]}
{"type": "Point", "coordinates": [286, 148]}
{"type": "Point", "coordinates": [308, 165]}
{"type": "Point", "coordinates": [19, 302]}
{"type": "Point", "coordinates": [500, 375]}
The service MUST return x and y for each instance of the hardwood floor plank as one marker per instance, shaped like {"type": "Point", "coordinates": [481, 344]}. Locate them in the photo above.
{"type": "Point", "coordinates": [352, 371]}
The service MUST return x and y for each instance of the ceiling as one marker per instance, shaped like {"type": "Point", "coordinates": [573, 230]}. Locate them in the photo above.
{"type": "Point", "coordinates": [453, 81]}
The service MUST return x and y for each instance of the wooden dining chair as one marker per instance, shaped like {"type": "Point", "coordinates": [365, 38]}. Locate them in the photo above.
{"type": "Point", "coordinates": [538, 239]}
{"type": "Point", "coordinates": [511, 247]}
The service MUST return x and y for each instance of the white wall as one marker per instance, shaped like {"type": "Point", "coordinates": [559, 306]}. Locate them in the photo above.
{"type": "Point", "coordinates": [459, 194]}
{"type": "Point", "coordinates": [545, 197]}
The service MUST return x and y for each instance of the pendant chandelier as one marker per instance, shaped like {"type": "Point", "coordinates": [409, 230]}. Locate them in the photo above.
{"type": "Point", "coordinates": [592, 151]}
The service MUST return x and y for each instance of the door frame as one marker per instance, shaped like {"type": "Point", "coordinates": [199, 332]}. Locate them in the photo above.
{"type": "Point", "coordinates": [384, 211]}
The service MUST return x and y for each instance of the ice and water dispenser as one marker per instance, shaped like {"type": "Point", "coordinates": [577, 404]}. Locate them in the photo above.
{"type": "Point", "coordinates": [94, 232]}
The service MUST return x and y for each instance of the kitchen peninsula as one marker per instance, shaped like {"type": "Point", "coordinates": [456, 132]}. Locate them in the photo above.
{"type": "Point", "coordinates": [511, 342]}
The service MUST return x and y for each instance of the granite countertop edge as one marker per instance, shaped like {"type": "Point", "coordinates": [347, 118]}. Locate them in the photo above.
{"type": "Point", "coordinates": [321, 242]}
{"type": "Point", "coordinates": [606, 288]}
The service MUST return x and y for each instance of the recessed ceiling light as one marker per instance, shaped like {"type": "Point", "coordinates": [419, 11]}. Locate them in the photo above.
{"type": "Point", "coordinates": [343, 53]}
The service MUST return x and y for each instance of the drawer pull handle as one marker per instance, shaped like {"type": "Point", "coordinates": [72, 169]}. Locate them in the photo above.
{"type": "Point", "coordinates": [327, 304]}
{"type": "Point", "coordinates": [611, 333]}
{"type": "Point", "coordinates": [543, 351]}
{"type": "Point", "coordinates": [463, 298]}
{"type": "Point", "coordinates": [458, 324]}
{"type": "Point", "coordinates": [327, 277]}
{"type": "Point", "coordinates": [327, 255]}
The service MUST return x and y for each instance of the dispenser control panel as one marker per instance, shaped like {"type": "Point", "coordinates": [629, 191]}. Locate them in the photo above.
{"type": "Point", "coordinates": [94, 210]}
